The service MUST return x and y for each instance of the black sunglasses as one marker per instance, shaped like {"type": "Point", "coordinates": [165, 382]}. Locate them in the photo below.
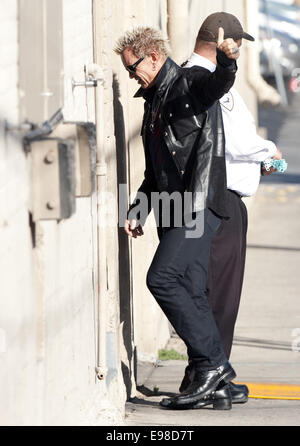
{"type": "Point", "coordinates": [132, 68]}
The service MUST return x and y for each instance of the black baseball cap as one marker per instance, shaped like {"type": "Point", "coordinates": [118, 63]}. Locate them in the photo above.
{"type": "Point", "coordinates": [232, 28]}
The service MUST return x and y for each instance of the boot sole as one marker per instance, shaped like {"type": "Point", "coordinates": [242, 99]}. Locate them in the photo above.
{"type": "Point", "coordinates": [218, 404]}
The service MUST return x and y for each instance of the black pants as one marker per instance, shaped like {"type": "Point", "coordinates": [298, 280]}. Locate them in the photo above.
{"type": "Point", "coordinates": [226, 270]}
{"type": "Point", "coordinates": [188, 310]}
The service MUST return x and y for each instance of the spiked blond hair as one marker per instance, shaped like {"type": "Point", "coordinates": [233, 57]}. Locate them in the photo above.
{"type": "Point", "coordinates": [142, 40]}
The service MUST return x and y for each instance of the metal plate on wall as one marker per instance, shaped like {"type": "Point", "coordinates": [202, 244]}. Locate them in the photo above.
{"type": "Point", "coordinates": [53, 179]}
{"type": "Point", "coordinates": [83, 134]}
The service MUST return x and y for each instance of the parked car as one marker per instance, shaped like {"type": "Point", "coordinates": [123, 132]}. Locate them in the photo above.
{"type": "Point", "coordinates": [278, 48]}
{"type": "Point", "coordinates": [277, 20]}
{"type": "Point", "coordinates": [280, 11]}
{"type": "Point", "coordinates": [279, 30]}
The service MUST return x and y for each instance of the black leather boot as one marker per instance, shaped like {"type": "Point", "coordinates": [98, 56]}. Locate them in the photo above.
{"type": "Point", "coordinates": [204, 384]}
{"type": "Point", "coordinates": [239, 392]}
{"type": "Point", "coordinates": [220, 400]}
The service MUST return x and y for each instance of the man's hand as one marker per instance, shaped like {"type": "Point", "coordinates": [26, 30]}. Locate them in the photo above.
{"type": "Point", "coordinates": [278, 155]}
{"type": "Point", "coordinates": [228, 46]}
{"type": "Point", "coordinates": [132, 230]}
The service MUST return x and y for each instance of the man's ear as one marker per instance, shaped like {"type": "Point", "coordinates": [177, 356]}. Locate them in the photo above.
{"type": "Point", "coordinates": [154, 56]}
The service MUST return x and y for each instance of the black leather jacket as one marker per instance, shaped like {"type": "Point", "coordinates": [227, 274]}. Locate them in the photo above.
{"type": "Point", "coordinates": [192, 129]}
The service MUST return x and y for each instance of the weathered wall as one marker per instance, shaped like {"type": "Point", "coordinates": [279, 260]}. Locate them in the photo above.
{"type": "Point", "coordinates": [17, 318]}
{"type": "Point", "coordinates": [49, 291]}
{"type": "Point", "coordinates": [48, 298]}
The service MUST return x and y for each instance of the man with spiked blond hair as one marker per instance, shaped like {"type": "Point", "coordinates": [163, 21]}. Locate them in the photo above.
{"type": "Point", "coordinates": [184, 154]}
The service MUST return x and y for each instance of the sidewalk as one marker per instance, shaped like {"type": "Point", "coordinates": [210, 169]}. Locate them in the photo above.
{"type": "Point", "coordinates": [266, 329]}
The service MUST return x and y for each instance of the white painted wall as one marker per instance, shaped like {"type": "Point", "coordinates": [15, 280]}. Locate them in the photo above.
{"type": "Point", "coordinates": [17, 319]}
{"type": "Point", "coordinates": [48, 292]}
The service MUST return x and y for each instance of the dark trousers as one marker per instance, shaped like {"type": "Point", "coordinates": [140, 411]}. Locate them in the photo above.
{"type": "Point", "coordinates": [188, 310]}
{"type": "Point", "coordinates": [226, 269]}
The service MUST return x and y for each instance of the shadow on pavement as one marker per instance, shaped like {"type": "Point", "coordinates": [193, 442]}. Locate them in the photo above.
{"type": "Point", "coordinates": [148, 392]}
{"type": "Point", "coordinates": [142, 402]}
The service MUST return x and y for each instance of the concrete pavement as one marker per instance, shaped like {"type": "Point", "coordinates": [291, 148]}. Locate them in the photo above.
{"type": "Point", "coordinates": [267, 336]}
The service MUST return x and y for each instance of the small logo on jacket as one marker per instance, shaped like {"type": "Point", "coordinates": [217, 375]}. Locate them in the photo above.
{"type": "Point", "coordinates": [227, 101]}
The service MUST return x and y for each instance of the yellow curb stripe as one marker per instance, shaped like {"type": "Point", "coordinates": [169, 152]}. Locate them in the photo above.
{"type": "Point", "coordinates": [274, 397]}
{"type": "Point", "coordinates": [273, 391]}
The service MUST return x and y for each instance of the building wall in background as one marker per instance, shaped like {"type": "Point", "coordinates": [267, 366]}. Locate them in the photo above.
{"type": "Point", "coordinates": [48, 298]}
{"type": "Point", "coordinates": [48, 269]}
{"type": "Point", "coordinates": [17, 319]}
{"type": "Point", "coordinates": [49, 287]}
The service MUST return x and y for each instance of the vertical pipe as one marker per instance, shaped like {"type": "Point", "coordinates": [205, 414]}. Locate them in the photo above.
{"type": "Point", "coordinates": [45, 60]}
{"type": "Point", "coordinates": [101, 172]}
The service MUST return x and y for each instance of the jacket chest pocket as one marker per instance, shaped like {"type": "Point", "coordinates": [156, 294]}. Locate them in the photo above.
{"type": "Point", "coordinates": [181, 117]}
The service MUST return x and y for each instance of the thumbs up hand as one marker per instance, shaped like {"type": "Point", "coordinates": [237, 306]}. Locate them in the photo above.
{"type": "Point", "coordinates": [220, 37]}
{"type": "Point", "coordinates": [228, 46]}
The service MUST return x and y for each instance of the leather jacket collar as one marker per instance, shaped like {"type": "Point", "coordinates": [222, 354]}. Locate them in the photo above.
{"type": "Point", "coordinates": [167, 72]}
